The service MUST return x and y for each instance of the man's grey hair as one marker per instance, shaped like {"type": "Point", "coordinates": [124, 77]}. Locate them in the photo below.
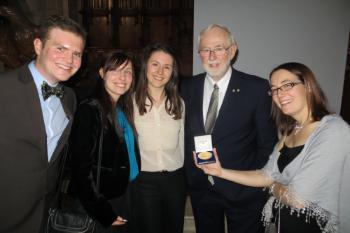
{"type": "Point", "coordinates": [231, 39]}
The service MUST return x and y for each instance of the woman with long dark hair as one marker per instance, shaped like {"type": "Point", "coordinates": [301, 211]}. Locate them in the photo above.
{"type": "Point", "coordinates": [159, 121]}
{"type": "Point", "coordinates": [306, 172]}
{"type": "Point", "coordinates": [103, 126]}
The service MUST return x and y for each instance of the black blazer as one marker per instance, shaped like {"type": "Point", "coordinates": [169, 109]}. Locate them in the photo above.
{"type": "Point", "coordinates": [85, 144]}
{"type": "Point", "coordinates": [243, 134]}
{"type": "Point", "coordinates": [28, 181]}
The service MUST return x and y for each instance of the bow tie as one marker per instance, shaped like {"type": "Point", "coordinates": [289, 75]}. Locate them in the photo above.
{"type": "Point", "coordinates": [49, 91]}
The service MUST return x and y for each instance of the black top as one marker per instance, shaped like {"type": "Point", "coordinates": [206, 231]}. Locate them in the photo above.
{"type": "Point", "coordinates": [290, 221]}
{"type": "Point", "coordinates": [287, 154]}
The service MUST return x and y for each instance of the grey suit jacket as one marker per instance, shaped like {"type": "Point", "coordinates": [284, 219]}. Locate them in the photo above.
{"type": "Point", "coordinates": [28, 181]}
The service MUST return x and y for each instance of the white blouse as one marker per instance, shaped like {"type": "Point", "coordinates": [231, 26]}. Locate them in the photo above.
{"type": "Point", "coordinates": [160, 138]}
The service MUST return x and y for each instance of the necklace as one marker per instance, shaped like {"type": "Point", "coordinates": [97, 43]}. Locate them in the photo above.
{"type": "Point", "coordinates": [298, 127]}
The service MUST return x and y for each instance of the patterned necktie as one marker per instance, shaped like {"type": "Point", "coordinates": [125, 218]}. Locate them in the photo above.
{"type": "Point", "coordinates": [212, 110]}
{"type": "Point", "coordinates": [49, 91]}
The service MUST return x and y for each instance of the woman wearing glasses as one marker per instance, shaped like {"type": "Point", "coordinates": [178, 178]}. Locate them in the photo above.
{"type": "Point", "coordinates": [306, 171]}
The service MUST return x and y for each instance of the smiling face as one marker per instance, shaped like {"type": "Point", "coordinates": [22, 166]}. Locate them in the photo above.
{"type": "Point", "coordinates": [216, 65]}
{"type": "Point", "coordinates": [292, 102]}
{"type": "Point", "coordinates": [59, 57]}
{"type": "Point", "coordinates": [159, 69]}
{"type": "Point", "coordinates": [117, 82]}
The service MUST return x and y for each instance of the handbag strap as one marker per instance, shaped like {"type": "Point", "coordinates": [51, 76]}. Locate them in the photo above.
{"type": "Point", "coordinates": [60, 181]}
{"type": "Point", "coordinates": [99, 162]}
{"type": "Point", "coordinates": [98, 175]}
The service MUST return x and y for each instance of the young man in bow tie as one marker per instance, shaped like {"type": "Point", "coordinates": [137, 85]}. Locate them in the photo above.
{"type": "Point", "coordinates": [241, 133]}
{"type": "Point", "coordinates": [35, 121]}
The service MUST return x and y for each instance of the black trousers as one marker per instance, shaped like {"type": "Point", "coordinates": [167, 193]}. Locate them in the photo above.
{"type": "Point", "coordinates": [211, 208]}
{"type": "Point", "coordinates": [158, 202]}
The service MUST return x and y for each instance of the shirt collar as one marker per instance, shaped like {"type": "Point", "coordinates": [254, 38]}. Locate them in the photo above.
{"type": "Point", "coordinates": [38, 78]}
{"type": "Point", "coordinates": [223, 82]}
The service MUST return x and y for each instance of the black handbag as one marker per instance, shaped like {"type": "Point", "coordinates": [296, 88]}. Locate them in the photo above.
{"type": "Point", "coordinates": [67, 221]}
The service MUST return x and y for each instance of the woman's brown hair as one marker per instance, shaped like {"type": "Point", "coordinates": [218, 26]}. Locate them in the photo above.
{"type": "Point", "coordinates": [173, 105]}
{"type": "Point", "coordinates": [315, 97]}
{"type": "Point", "coordinates": [113, 61]}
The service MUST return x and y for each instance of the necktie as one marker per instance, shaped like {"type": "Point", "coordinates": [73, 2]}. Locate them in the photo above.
{"type": "Point", "coordinates": [49, 91]}
{"type": "Point", "coordinates": [212, 110]}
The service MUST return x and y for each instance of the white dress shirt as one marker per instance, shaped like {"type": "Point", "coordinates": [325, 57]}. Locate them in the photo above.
{"type": "Point", "coordinates": [55, 118]}
{"type": "Point", "coordinates": [209, 87]}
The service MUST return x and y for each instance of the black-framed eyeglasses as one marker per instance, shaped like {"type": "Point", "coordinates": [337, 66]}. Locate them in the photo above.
{"type": "Point", "coordinates": [284, 87]}
{"type": "Point", "coordinates": [219, 51]}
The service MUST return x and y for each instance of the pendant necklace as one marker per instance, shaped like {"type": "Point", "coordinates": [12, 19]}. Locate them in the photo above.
{"type": "Point", "coordinates": [299, 127]}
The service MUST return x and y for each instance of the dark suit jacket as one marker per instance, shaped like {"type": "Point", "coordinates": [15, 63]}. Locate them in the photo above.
{"type": "Point", "coordinates": [243, 134]}
{"type": "Point", "coordinates": [27, 180]}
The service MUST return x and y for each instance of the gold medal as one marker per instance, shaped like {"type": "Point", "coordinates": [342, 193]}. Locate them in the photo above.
{"type": "Point", "coordinates": [204, 155]}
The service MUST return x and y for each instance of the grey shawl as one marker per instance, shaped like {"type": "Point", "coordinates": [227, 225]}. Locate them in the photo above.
{"type": "Point", "coordinates": [317, 175]}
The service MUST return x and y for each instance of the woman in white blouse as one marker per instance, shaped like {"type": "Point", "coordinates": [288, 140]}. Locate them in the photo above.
{"type": "Point", "coordinates": [159, 121]}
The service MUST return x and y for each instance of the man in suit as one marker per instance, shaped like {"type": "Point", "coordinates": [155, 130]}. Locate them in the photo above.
{"type": "Point", "coordinates": [242, 133]}
{"type": "Point", "coordinates": [35, 121]}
